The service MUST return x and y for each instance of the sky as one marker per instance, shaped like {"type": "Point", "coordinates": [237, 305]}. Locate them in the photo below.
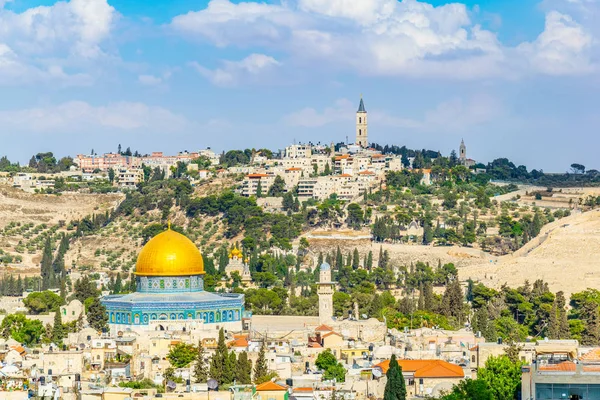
{"type": "Point", "coordinates": [513, 78]}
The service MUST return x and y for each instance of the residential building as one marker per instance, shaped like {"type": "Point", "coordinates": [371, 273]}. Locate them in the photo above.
{"type": "Point", "coordinates": [425, 377]}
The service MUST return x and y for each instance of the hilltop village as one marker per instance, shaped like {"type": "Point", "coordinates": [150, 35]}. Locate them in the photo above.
{"type": "Point", "coordinates": [307, 273]}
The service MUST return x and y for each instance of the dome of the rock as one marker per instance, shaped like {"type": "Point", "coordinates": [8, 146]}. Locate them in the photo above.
{"type": "Point", "coordinates": [169, 254]}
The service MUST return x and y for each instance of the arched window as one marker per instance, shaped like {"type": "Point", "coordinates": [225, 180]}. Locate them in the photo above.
{"type": "Point", "coordinates": [360, 132]}
{"type": "Point", "coordinates": [359, 120]}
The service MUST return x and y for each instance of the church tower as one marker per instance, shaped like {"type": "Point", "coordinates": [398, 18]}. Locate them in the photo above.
{"type": "Point", "coordinates": [362, 138]}
{"type": "Point", "coordinates": [462, 156]}
{"type": "Point", "coordinates": [325, 291]}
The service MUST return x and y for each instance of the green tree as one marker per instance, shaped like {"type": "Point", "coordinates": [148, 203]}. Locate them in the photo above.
{"type": "Point", "coordinates": [111, 175]}
{"type": "Point", "coordinates": [395, 387]}
{"type": "Point", "coordinates": [277, 189]}
{"type": "Point", "coordinates": [200, 367]}
{"type": "Point", "coordinates": [332, 369]}
{"type": "Point", "coordinates": [259, 190]}
{"type": "Point", "coordinates": [84, 288]}
{"type": "Point", "coordinates": [502, 376]}
{"type": "Point", "coordinates": [243, 370]}
{"type": "Point", "coordinates": [356, 216]}
{"type": "Point", "coordinates": [261, 371]}
{"type": "Point", "coordinates": [42, 302]}
{"type": "Point", "coordinates": [22, 329]}
{"type": "Point", "coordinates": [470, 389]}
{"type": "Point", "coordinates": [96, 314]}
{"type": "Point", "coordinates": [230, 367]}
{"type": "Point", "coordinates": [219, 359]}
{"type": "Point", "coordinates": [181, 355]}
{"type": "Point", "coordinates": [58, 330]}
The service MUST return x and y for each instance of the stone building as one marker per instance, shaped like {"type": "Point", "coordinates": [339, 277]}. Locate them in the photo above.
{"type": "Point", "coordinates": [239, 265]}
{"type": "Point", "coordinates": [362, 138]}
{"type": "Point", "coordinates": [325, 291]}
{"type": "Point", "coordinates": [170, 292]}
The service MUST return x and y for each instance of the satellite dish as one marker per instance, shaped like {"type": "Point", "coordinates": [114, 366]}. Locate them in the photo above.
{"type": "Point", "coordinates": [171, 385]}
{"type": "Point", "coordinates": [377, 373]}
{"type": "Point", "coordinates": [212, 384]}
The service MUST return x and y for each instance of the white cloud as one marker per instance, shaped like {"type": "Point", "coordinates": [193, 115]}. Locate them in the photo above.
{"type": "Point", "coordinates": [311, 118]}
{"type": "Point", "coordinates": [76, 27]}
{"type": "Point", "coordinates": [454, 115]}
{"type": "Point", "coordinates": [50, 43]}
{"type": "Point", "coordinates": [380, 37]}
{"type": "Point", "coordinates": [149, 80]}
{"type": "Point", "coordinates": [563, 47]}
{"type": "Point", "coordinates": [80, 117]}
{"type": "Point", "coordinates": [233, 73]}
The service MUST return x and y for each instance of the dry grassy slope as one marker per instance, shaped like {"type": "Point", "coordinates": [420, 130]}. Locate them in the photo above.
{"type": "Point", "coordinates": [567, 259]}
{"type": "Point", "coordinates": [565, 255]}
{"type": "Point", "coordinates": [19, 206]}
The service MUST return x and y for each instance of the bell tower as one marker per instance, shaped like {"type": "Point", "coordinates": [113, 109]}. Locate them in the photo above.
{"type": "Point", "coordinates": [325, 289]}
{"type": "Point", "coordinates": [462, 156]}
{"type": "Point", "coordinates": [362, 138]}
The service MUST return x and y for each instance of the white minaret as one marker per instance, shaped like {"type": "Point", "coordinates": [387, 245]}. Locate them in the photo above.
{"type": "Point", "coordinates": [325, 291]}
{"type": "Point", "coordinates": [362, 135]}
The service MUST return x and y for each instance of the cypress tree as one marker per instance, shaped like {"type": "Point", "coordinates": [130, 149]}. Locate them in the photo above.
{"type": "Point", "coordinates": [348, 260]}
{"type": "Point", "coordinates": [243, 371]}
{"type": "Point", "coordinates": [369, 264]}
{"type": "Point", "coordinates": [563, 331]}
{"type": "Point", "coordinates": [380, 261]}
{"type": "Point", "coordinates": [554, 322]}
{"type": "Point", "coordinates": [200, 367]}
{"type": "Point", "coordinates": [259, 189]}
{"type": "Point", "coordinates": [320, 259]}
{"type": "Point", "coordinates": [230, 367]}
{"type": "Point", "coordinates": [421, 302]}
{"type": "Point", "coordinates": [395, 387]}
{"type": "Point", "coordinates": [453, 301]}
{"type": "Point", "coordinates": [355, 259]}
{"type": "Point", "coordinates": [58, 330]}
{"type": "Point", "coordinates": [261, 371]}
{"type": "Point", "coordinates": [339, 260]}
{"type": "Point", "coordinates": [428, 299]}
{"type": "Point", "coordinates": [219, 359]}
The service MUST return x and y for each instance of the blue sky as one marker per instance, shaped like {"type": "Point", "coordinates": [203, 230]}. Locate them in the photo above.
{"type": "Point", "coordinates": [513, 78]}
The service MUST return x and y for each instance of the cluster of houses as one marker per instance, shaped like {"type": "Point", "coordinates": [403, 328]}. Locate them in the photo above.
{"type": "Point", "coordinates": [91, 364]}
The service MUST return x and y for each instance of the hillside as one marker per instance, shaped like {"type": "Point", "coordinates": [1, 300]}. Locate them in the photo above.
{"type": "Point", "coordinates": [565, 255]}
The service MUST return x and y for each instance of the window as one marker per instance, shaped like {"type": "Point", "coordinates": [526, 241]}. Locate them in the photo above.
{"type": "Point", "coordinates": [359, 120]}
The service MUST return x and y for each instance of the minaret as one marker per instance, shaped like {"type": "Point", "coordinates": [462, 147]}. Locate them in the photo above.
{"type": "Point", "coordinates": [462, 156]}
{"type": "Point", "coordinates": [325, 291]}
{"type": "Point", "coordinates": [362, 138]}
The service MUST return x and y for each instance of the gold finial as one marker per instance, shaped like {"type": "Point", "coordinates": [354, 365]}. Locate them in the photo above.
{"type": "Point", "coordinates": [169, 224]}
{"type": "Point", "coordinates": [361, 95]}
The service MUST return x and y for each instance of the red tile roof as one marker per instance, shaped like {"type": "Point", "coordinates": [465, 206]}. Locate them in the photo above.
{"type": "Point", "coordinates": [426, 368]}
{"type": "Point", "coordinates": [323, 328]}
{"type": "Point", "coordinates": [331, 333]}
{"type": "Point", "coordinates": [593, 355]}
{"type": "Point", "coordinates": [269, 387]}
{"type": "Point", "coordinates": [239, 342]}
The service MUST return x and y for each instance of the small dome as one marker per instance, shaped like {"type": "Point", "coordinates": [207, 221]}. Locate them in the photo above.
{"type": "Point", "coordinates": [235, 253]}
{"type": "Point", "coordinates": [169, 254]}
{"type": "Point", "coordinates": [325, 267]}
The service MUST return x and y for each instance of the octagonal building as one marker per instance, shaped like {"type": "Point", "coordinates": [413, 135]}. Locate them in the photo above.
{"type": "Point", "coordinates": [170, 292]}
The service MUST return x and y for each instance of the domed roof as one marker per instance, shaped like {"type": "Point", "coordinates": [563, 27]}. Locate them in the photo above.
{"type": "Point", "coordinates": [169, 254]}
{"type": "Point", "coordinates": [235, 253]}
{"type": "Point", "coordinates": [325, 267]}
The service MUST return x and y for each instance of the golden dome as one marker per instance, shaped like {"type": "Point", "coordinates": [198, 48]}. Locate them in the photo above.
{"type": "Point", "coordinates": [235, 253]}
{"type": "Point", "coordinates": [169, 254]}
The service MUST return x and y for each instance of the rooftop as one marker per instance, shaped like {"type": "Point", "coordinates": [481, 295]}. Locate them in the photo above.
{"type": "Point", "coordinates": [426, 368]}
